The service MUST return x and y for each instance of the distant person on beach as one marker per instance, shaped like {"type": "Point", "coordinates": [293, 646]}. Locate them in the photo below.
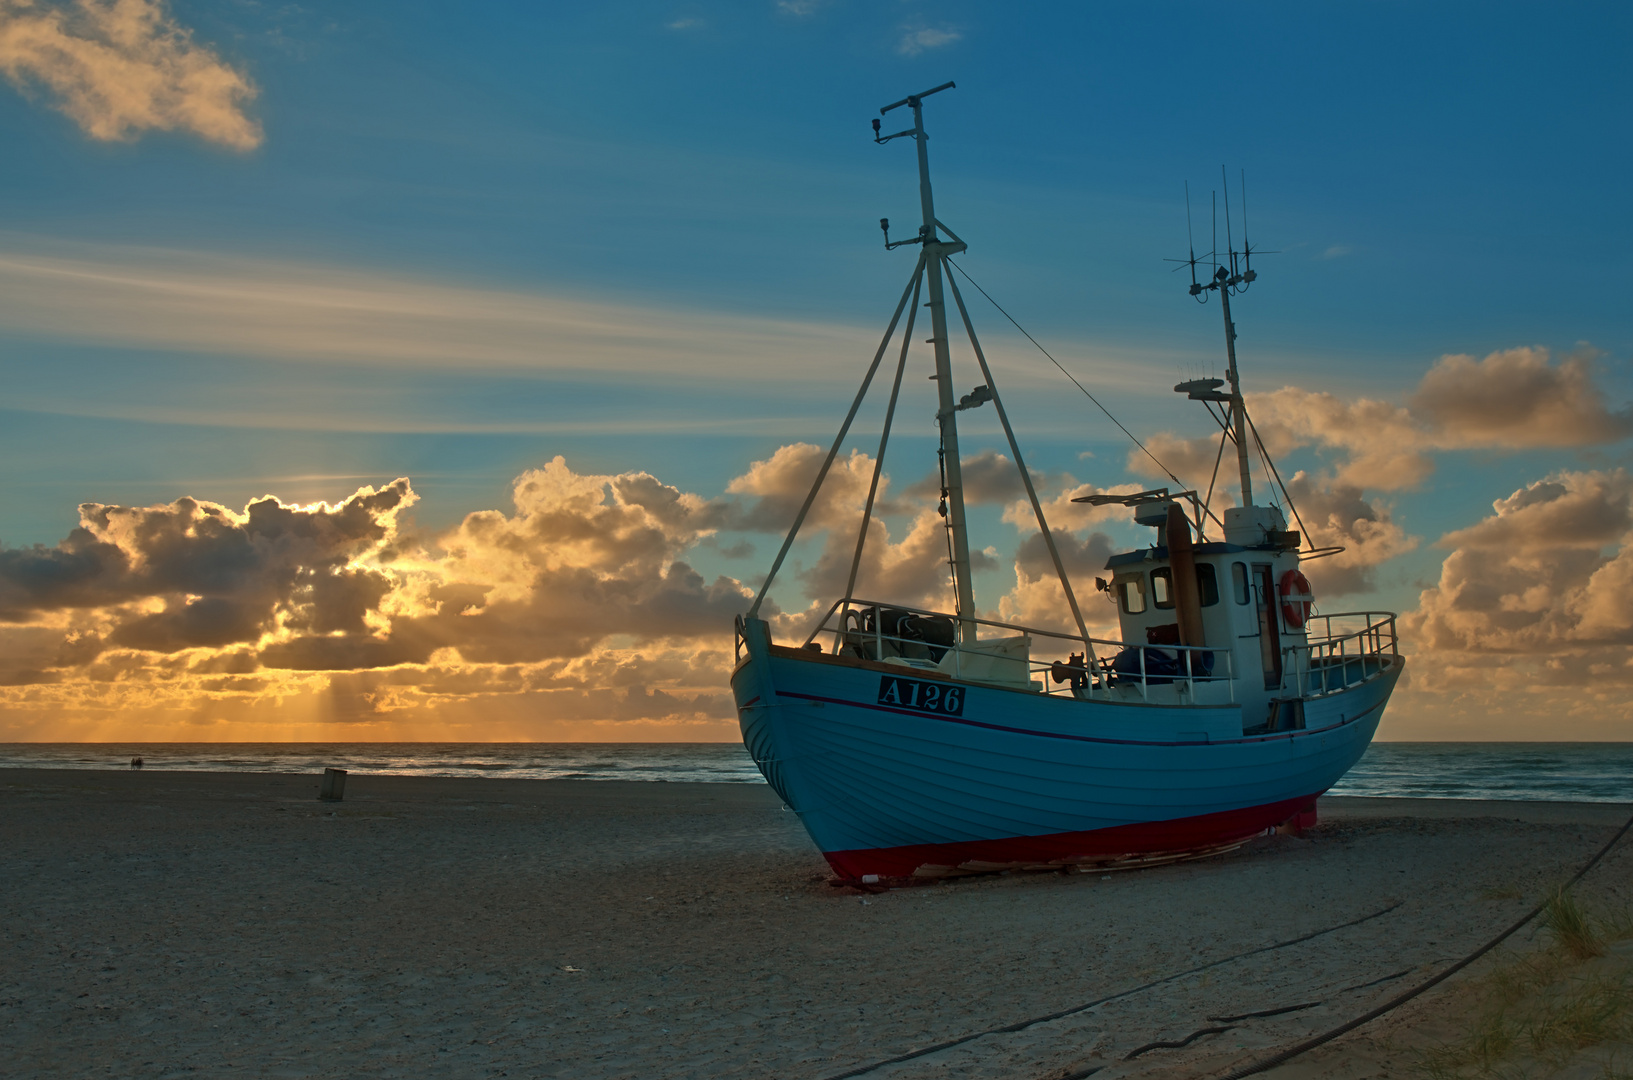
{"type": "Point", "coordinates": [136, 762]}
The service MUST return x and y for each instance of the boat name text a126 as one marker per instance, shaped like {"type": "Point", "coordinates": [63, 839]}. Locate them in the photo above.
{"type": "Point", "coordinates": [923, 696]}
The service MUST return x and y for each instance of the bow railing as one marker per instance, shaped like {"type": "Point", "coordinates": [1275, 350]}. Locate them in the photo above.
{"type": "Point", "coordinates": [1351, 647]}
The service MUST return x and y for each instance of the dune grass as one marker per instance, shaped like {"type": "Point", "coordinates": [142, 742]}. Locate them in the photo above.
{"type": "Point", "coordinates": [1541, 1011]}
{"type": "Point", "coordinates": [1573, 930]}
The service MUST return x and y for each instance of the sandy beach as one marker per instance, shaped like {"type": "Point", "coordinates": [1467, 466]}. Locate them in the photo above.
{"type": "Point", "coordinates": [162, 924]}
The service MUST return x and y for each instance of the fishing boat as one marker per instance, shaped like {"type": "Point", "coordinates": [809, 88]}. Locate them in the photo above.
{"type": "Point", "coordinates": [916, 743]}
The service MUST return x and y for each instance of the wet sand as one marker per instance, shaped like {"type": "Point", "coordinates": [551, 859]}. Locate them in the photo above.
{"type": "Point", "coordinates": [161, 924]}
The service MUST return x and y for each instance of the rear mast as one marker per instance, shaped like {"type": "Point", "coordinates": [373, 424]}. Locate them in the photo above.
{"type": "Point", "coordinates": [1226, 280]}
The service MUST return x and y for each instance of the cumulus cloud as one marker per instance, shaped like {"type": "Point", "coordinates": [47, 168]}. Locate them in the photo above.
{"type": "Point", "coordinates": [915, 41]}
{"type": "Point", "coordinates": [1549, 570]}
{"type": "Point", "coordinates": [1340, 516]}
{"type": "Point", "coordinates": [1037, 598]}
{"type": "Point", "coordinates": [119, 68]}
{"type": "Point", "coordinates": [911, 570]}
{"type": "Point", "coordinates": [1527, 631]}
{"type": "Point", "coordinates": [1383, 445]}
{"type": "Point", "coordinates": [578, 598]}
{"type": "Point", "coordinates": [197, 573]}
{"type": "Point", "coordinates": [577, 605]}
{"type": "Point", "coordinates": [779, 485]}
{"type": "Point", "coordinates": [1518, 398]}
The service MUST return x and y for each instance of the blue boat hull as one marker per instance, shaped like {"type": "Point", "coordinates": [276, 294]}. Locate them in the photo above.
{"type": "Point", "coordinates": [888, 787]}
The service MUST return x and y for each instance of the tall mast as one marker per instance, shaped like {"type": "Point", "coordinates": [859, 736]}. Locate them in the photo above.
{"type": "Point", "coordinates": [946, 402]}
{"type": "Point", "coordinates": [935, 249]}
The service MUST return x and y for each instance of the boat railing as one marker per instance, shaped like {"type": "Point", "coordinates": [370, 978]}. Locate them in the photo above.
{"type": "Point", "coordinates": [1197, 674]}
{"type": "Point", "coordinates": [1349, 648]}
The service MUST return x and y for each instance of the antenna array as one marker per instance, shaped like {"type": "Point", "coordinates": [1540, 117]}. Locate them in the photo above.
{"type": "Point", "coordinates": [1237, 272]}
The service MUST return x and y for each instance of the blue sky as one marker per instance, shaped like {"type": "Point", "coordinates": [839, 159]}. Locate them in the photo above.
{"type": "Point", "coordinates": [1436, 179]}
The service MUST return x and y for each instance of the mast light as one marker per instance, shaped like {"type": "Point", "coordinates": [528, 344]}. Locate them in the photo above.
{"type": "Point", "coordinates": [975, 398]}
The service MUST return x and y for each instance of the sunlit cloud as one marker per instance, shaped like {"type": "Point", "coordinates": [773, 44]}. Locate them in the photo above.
{"type": "Point", "coordinates": [1519, 398]}
{"type": "Point", "coordinates": [577, 599]}
{"type": "Point", "coordinates": [119, 68]}
{"type": "Point", "coordinates": [1533, 610]}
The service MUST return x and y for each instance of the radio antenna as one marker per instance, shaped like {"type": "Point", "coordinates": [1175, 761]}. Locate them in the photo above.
{"type": "Point", "coordinates": [1227, 280]}
{"type": "Point", "coordinates": [1190, 241]}
{"type": "Point", "coordinates": [1247, 248]}
{"type": "Point", "coordinates": [1213, 238]}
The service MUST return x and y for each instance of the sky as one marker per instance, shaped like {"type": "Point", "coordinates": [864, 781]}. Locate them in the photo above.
{"type": "Point", "coordinates": [404, 371]}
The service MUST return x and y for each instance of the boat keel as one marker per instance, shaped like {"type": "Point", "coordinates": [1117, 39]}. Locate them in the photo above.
{"type": "Point", "coordinates": [1121, 847]}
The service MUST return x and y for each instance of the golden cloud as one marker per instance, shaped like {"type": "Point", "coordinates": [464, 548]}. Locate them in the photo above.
{"type": "Point", "coordinates": [577, 601]}
{"type": "Point", "coordinates": [1528, 629]}
{"type": "Point", "coordinates": [122, 67]}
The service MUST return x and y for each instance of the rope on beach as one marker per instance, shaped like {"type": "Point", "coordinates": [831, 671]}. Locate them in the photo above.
{"type": "Point", "coordinates": [1022, 1025]}
{"type": "Point", "coordinates": [1176, 1044]}
{"type": "Point", "coordinates": [1407, 995]}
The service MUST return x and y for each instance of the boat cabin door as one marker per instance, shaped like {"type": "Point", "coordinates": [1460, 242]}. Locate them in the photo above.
{"type": "Point", "coordinates": [1264, 594]}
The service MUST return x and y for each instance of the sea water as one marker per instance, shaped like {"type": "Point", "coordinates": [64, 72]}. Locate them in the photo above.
{"type": "Point", "coordinates": [1564, 772]}
{"type": "Point", "coordinates": [676, 762]}
{"type": "Point", "coordinates": [1550, 772]}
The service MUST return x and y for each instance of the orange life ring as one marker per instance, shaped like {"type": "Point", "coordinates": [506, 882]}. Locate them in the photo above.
{"type": "Point", "coordinates": [1295, 599]}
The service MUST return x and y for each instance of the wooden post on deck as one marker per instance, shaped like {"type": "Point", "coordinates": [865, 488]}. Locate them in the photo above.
{"type": "Point", "coordinates": [333, 786]}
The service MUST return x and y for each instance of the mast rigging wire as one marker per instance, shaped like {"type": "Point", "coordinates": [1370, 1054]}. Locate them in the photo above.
{"type": "Point", "coordinates": [839, 440]}
{"type": "Point", "coordinates": [1166, 471]}
{"type": "Point", "coordinates": [1277, 475]}
{"type": "Point", "coordinates": [884, 441]}
{"type": "Point", "coordinates": [1217, 458]}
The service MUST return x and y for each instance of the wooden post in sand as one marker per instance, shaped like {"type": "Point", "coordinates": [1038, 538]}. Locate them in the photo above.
{"type": "Point", "coordinates": [333, 787]}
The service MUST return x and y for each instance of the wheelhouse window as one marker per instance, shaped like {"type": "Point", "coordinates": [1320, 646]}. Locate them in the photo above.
{"type": "Point", "coordinates": [1238, 580]}
{"type": "Point", "coordinates": [1131, 594]}
{"type": "Point", "coordinates": [1207, 585]}
{"type": "Point", "coordinates": [1162, 587]}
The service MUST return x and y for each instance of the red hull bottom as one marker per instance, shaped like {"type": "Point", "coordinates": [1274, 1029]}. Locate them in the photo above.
{"type": "Point", "coordinates": [1143, 844]}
